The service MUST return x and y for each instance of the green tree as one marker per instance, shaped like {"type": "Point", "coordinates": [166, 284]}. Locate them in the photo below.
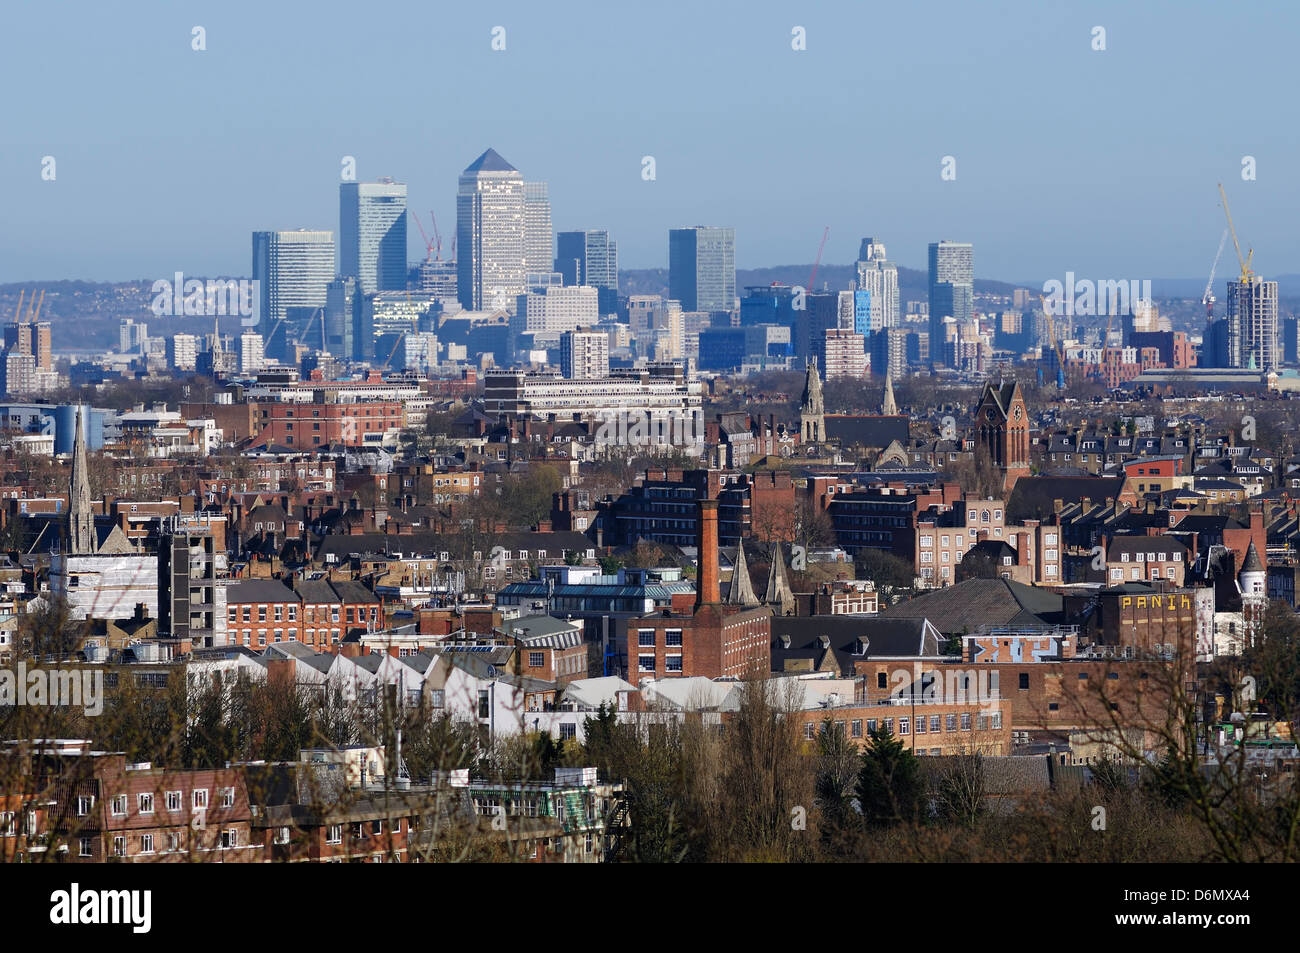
{"type": "Point", "coordinates": [889, 784]}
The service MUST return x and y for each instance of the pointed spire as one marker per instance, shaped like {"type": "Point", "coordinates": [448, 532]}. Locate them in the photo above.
{"type": "Point", "coordinates": [81, 520]}
{"type": "Point", "coordinates": [779, 595]}
{"type": "Point", "coordinates": [888, 407]}
{"type": "Point", "coordinates": [1252, 562]}
{"type": "Point", "coordinates": [741, 591]}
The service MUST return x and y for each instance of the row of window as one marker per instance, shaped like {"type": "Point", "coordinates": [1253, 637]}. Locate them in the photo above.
{"type": "Point", "coordinates": [645, 638]}
{"type": "Point", "coordinates": [933, 724]}
{"type": "Point", "coordinates": [145, 802]}
{"type": "Point", "coordinates": [672, 663]}
{"type": "Point", "coordinates": [145, 843]}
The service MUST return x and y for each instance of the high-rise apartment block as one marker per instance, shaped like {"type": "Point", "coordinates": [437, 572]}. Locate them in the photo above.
{"type": "Point", "coordinates": [952, 290]}
{"type": "Point", "coordinates": [879, 278]}
{"type": "Point", "coordinates": [1252, 324]}
{"type": "Point", "coordinates": [372, 234]}
{"type": "Point", "coordinates": [584, 355]}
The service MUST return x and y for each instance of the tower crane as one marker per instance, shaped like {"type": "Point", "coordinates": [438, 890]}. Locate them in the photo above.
{"type": "Point", "coordinates": [1207, 299]}
{"type": "Point", "coordinates": [1247, 276]}
{"type": "Point", "coordinates": [1056, 347]}
{"type": "Point", "coordinates": [817, 263]}
{"type": "Point", "coordinates": [428, 245]}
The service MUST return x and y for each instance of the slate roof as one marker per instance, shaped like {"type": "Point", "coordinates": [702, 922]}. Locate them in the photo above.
{"type": "Point", "coordinates": [1033, 496]}
{"type": "Point", "coordinates": [867, 430]}
{"type": "Point", "coordinates": [886, 638]}
{"type": "Point", "coordinates": [975, 602]}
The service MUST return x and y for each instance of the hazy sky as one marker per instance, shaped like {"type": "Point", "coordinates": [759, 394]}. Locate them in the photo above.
{"type": "Point", "coordinates": [1103, 163]}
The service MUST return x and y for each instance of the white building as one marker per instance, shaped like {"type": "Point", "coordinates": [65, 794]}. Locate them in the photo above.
{"type": "Point", "coordinates": [251, 356]}
{"type": "Point", "coordinates": [556, 309]}
{"type": "Point", "coordinates": [584, 355]}
{"type": "Point", "coordinates": [182, 352]}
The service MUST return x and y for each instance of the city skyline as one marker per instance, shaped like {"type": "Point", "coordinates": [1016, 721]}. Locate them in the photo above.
{"type": "Point", "coordinates": [1011, 196]}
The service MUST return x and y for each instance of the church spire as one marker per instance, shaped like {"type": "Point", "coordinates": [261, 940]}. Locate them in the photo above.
{"type": "Point", "coordinates": [887, 407]}
{"type": "Point", "coordinates": [741, 592]}
{"type": "Point", "coordinates": [81, 520]}
{"type": "Point", "coordinates": [779, 595]}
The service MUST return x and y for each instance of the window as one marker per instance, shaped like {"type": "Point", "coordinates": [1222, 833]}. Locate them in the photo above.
{"type": "Point", "coordinates": [119, 845]}
{"type": "Point", "coordinates": [904, 726]}
{"type": "Point", "coordinates": [809, 731]}
{"type": "Point", "coordinates": [227, 797]}
{"type": "Point", "coordinates": [145, 803]}
{"type": "Point", "coordinates": [1024, 681]}
{"type": "Point", "coordinates": [536, 659]}
{"type": "Point", "coordinates": [85, 846]}
{"type": "Point", "coordinates": [965, 722]}
{"type": "Point", "coordinates": [281, 835]}
{"type": "Point", "coordinates": [920, 725]}
{"type": "Point", "coordinates": [376, 828]}
{"type": "Point", "coordinates": [483, 703]}
{"type": "Point", "coordinates": [882, 680]}
{"type": "Point", "coordinates": [334, 834]}
{"type": "Point", "coordinates": [950, 722]}
{"type": "Point", "coordinates": [673, 638]}
{"type": "Point", "coordinates": [934, 723]}
{"type": "Point", "coordinates": [568, 731]}
{"type": "Point", "coordinates": [673, 663]}
{"type": "Point", "coordinates": [871, 726]}
{"type": "Point", "coordinates": [146, 843]}
{"type": "Point", "coordinates": [855, 728]}
{"type": "Point", "coordinates": [118, 805]}
{"type": "Point", "coordinates": [645, 638]}
{"type": "Point", "coordinates": [200, 799]}
{"type": "Point", "coordinates": [173, 843]}
{"type": "Point", "coordinates": [7, 827]}
{"type": "Point", "coordinates": [645, 663]}
{"type": "Point", "coordinates": [85, 804]}
{"type": "Point", "coordinates": [888, 724]}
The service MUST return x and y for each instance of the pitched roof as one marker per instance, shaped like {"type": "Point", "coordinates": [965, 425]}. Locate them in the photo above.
{"type": "Point", "coordinates": [490, 161]}
{"type": "Point", "coordinates": [975, 602]}
{"type": "Point", "coordinates": [1033, 496]}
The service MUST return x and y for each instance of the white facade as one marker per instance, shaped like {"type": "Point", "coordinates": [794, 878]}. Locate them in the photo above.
{"type": "Point", "coordinates": [556, 310]}
{"type": "Point", "coordinates": [105, 587]}
{"type": "Point", "coordinates": [584, 355]}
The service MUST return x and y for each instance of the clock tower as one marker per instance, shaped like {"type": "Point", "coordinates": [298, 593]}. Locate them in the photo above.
{"type": "Point", "coordinates": [1002, 430]}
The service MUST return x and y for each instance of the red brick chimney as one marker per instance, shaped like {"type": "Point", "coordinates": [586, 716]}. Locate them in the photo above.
{"type": "Point", "coordinates": [707, 588]}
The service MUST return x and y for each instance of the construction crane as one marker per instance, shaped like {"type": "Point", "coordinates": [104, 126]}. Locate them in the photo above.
{"type": "Point", "coordinates": [1207, 299]}
{"type": "Point", "coordinates": [34, 307]}
{"type": "Point", "coordinates": [19, 312]}
{"type": "Point", "coordinates": [1247, 276]}
{"type": "Point", "coordinates": [1056, 348]}
{"type": "Point", "coordinates": [813, 277]}
{"type": "Point", "coordinates": [428, 245]}
{"type": "Point", "coordinates": [393, 353]}
{"type": "Point", "coordinates": [437, 236]}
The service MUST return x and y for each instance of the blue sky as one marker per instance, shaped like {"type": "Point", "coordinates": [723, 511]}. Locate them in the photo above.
{"type": "Point", "coordinates": [1103, 163]}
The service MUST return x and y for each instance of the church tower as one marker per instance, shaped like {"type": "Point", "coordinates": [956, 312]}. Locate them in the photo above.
{"type": "Point", "coordinates": [1002, 430]}
{"type": "Point", "coordinates": [812, 410]}
{"type": "Point", "coordinates": [1251, 579]}
{"type": "Point", "coordinates": [81, 519]}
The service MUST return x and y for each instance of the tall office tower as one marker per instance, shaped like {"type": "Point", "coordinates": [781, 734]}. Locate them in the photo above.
{"type": "Point", "coordinates": [1252, 324]}
{"type": "Point", "coordinates": [490, 234]}
{"type": "Point", "coordinates": [590, 258]}
{"type": "Point", "coordinates": [182, 352]}
{"type": "Point", "coordinates": [251, 358]}
{"type": "Point", "coordinates": [372, 234]}
{"type": "Point", "coordinates": [879, 277]}
{"type": "Point", "coordinates": [42, 346]}
{"type": "Point", "coordinates": [363, 327]}
{"type": "Point", "coordinates": [584, 354]}
{"type": "Point", "coordinates": [438, 278]}
{"type": "Point", "coordinates": [293, 271]}
{"type": "Point", "coordinates": [952, 289]}
{"type": "Point", "coordinates": [338, 316]}
{"type": "Point", "coordinates": [702, 268]}
{"type": "Point", "coordinates": [539, 247]}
